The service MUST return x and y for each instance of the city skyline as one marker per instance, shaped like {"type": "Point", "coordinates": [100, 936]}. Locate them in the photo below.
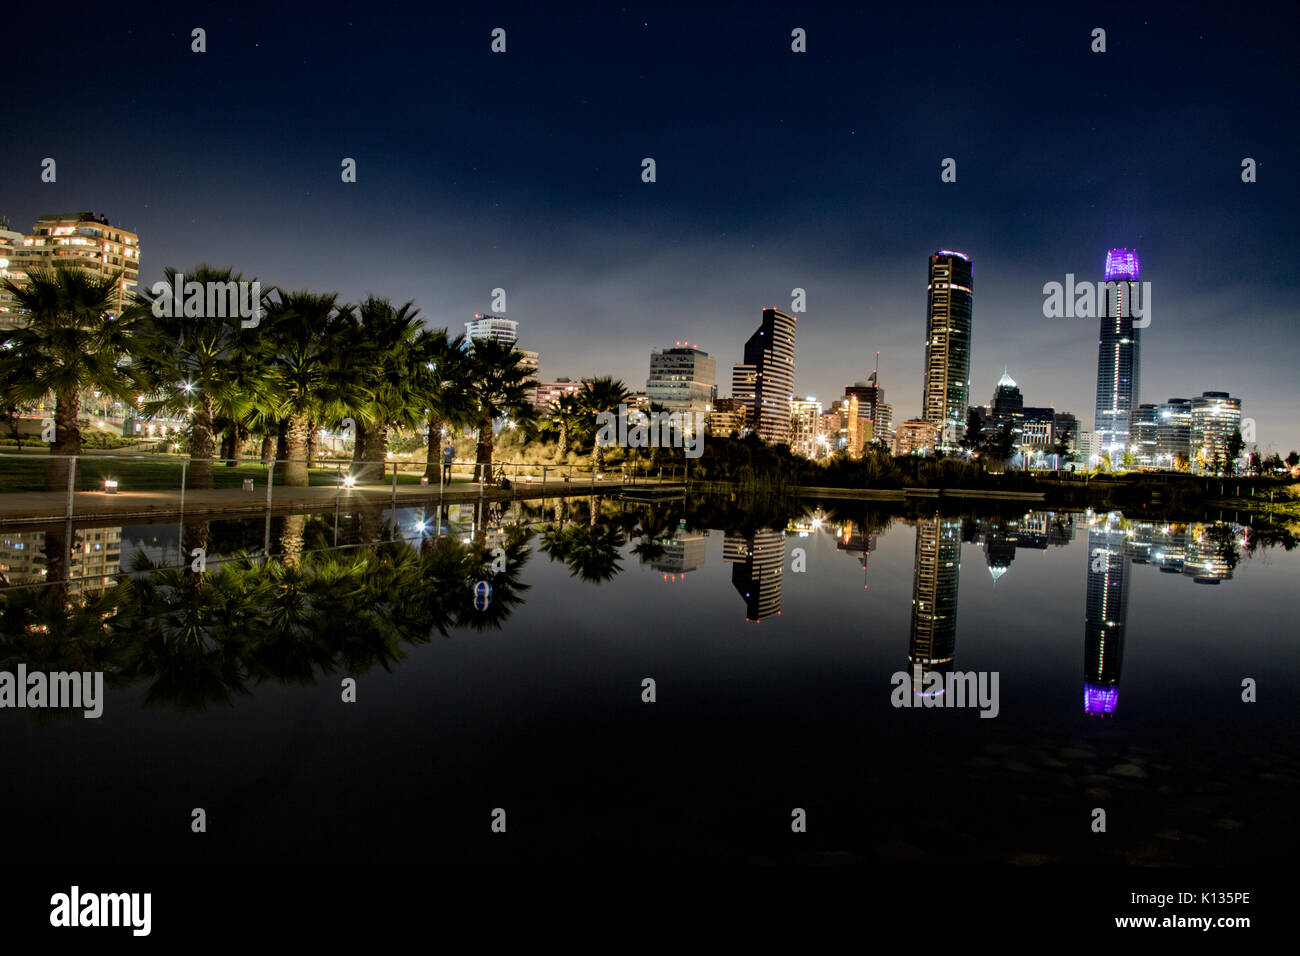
{"type": "Point", "coordinates": [591, 256]}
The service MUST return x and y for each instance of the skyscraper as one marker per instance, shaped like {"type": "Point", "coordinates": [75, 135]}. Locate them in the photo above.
{"type": "Point", "coordinates": [682, 379]}
{"type": "Point", "coordinates": [805, 427]}
{"type": "Point", "coordinates": [949, 305]}
{"type": "Point", "coordinates": [1174, 433]}
{"type": "Point", "coordinates": [82, 240]}
{"type": "Point", "coordinates": [495, 327]}
{"type": "Point", "coordinates": [10, 241]}
{"type": "Point", "coordinates": [1216, 417]}
{"type": "Point", "coordinates": [1144, 434]}
{"type": "Point", "coordinates": [1118, 356]}
{"type": "Point", "coordinates": [769, 353]}
{"type": "Point", "coordinates": [871, 405]}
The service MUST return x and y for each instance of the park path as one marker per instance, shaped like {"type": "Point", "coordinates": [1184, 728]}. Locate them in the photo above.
{"type": "Point", "coordinates": [46, 507]}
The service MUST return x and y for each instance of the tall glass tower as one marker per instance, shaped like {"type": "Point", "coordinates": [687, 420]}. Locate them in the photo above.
{"type": "Point", "coordinates": [949, 302]}
{"type": "Point", "coordinates": [1118, 359]}
{"type": "Point", "coordinates": [770, 352]}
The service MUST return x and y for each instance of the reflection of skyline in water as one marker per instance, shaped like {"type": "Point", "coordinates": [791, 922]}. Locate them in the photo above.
{"type": "Point", "coordinates": [757, 565]}
{"type": "Point", "coordinates": [857, 539]}
{"type": "Point", "coordinates": [935, 574]}
{"type": "Point", "coordinates": [1203, 552]}
{"type": "Point", "coordinates": [683, 552]}
{"type": "Point", "coordinates": [1206, 553]}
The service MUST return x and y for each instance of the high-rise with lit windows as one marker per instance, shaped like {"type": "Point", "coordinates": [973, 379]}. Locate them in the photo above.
{"type": "Point", "coordinates": [81, 240]}
{"type": "Point", "coordinates": [769, 365]}
{"type": "Point", "coordinates": [945, 389]}
{"type": "Point", "coordinates": [1118, 356]}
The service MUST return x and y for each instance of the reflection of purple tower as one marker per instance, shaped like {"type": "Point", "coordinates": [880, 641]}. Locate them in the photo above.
{"type": "Point", "coordinates": [1107, 615]}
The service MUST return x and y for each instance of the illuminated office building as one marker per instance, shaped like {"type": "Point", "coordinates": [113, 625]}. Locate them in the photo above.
{"type": "Point", "coordinates": [766, 377]}
{"type": "Point", "coordinates": [1118, 356]}
{"type": "Point", "coordinates": [946, 387]}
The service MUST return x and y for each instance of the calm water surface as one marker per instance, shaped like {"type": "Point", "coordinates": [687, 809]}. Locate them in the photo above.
{"type": "Point", "coordinates": [1120, 649]}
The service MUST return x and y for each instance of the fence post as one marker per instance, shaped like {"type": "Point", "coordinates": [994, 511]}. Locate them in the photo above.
{"type": "Point", "coordinates": [266, 540]}
{"type": "Point", "coordinates": [394, 492]}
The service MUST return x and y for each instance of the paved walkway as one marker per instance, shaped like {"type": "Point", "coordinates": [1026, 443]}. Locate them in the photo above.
{"type": "Point", "coordinates": [46, 507]}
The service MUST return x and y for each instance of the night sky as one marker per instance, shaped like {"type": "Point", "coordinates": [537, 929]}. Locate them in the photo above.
{"type": "Point", "coordinates": [775, 170]}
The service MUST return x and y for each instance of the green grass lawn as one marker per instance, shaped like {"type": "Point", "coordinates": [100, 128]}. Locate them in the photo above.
{"type": "Point", "coordinates": [151, 473]}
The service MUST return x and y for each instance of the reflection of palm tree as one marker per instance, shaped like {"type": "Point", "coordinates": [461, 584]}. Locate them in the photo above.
{"type": "Point", "coordinates": [200, 640]}
{"type": "Point", "coordinates": [591, 552]}
{"type": "Point", "coordinates": [651, 531]}
{"type": "Point", "coordinates": [507, 589]}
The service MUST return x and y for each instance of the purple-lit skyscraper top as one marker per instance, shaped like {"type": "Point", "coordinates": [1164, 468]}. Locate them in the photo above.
{"type": "Point", "coordinates": [1122, 264]}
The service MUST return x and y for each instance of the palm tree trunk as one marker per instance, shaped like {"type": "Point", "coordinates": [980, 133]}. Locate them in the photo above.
{"type": "Point", "coordinates": [295, 464]}
{"type": "Point", "coordinates": [483, 458]}
{"type": "Point", "coordinates": [377, 450]}
{"type": "Point", "coordinates": [434, 459]}
{"type": "Point", "coordinates": [241, 436]}
{"type": "Point", "coordinates": [291, 538]}
{"type": "Point", "coordinates": [368, 455]}
{"type": "Point", "coordinates": [312, 433]}
{"type": "Point", "coordinates": [268, 448]}
{"type": "Point", "coordinates": [359, 450]}
{"type": "Point", "coordinates": [67, 440]}
{"type": "Point", "coordinates": [282, 442]}
{"type": "Point", "coordinates": [201, 444]}
{"type": "Point", "coordinates": [564, 440]}
{"type": "Point", "coordinates": [229, 443]}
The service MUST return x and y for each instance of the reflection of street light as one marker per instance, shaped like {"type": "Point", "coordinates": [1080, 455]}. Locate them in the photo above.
{"type": "Point", "coordinates": [349, 481]}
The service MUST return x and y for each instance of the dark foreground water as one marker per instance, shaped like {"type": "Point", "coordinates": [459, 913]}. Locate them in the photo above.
{"type": "Point", "coordinates": [1120, 650]}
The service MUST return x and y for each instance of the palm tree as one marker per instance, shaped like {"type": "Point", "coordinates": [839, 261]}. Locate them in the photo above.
{"type": "Point", "coordinates": [566, 416]}
{"type": "Point", "coordinates": [443, 367]}
{"type": "Point", "coordinates": [600, 395]}
{"type": "Point", "coordinates": [69, 342]}
{"type": "Point", "coordinates": [303, 331]}
{"type": "Point", "coordinates": [498, 387]}
{"type": "Point", "coordinates": [383, 355]}
{"type": "Point", "coordinates": [195, 366]}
